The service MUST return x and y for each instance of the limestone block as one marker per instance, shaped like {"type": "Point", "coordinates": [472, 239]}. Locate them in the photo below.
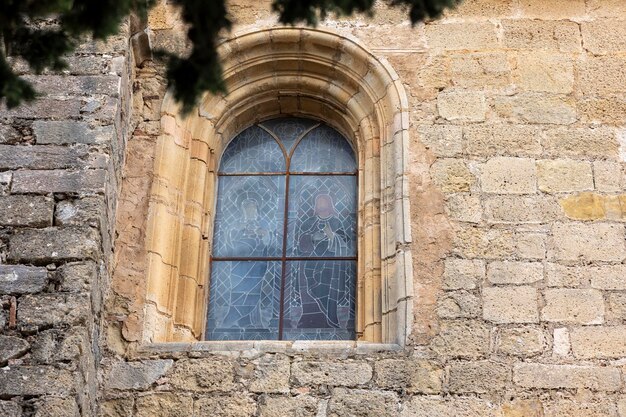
{"type": "Point", "coordinates": [48, 310]}
{"type": "Point", "coordinates": [475, 242]}
{"type": "Point", "coordinates": [10, 409]}
{"type": "Point", "coordinates": [56, 345]}
{"type": "Point", "coordinates": [606, 8]}
{"type": "Point", "coordinates": [271, 374]}
{"type": "Point", "coordinates": [602, 75]}
{"type": "Point", "coordinates": [502, 139]}
{"type": "Point", "coordinates": [54, 244]}
{"type": "Point", "coordinates": [521, 341]}
{"type": "Point", "coordinates": [348, 373]}
{"type": "Point", "coordinates": [573, 306]}
{"type": "Point", "coordinates": [536, 375]}
{"type": "Point", "coordinates": [560, 342]}
{"type": "Point", "coordinates": [599, 142]}
{"type": "Point", "coordinates": [530, 245]}
{"type": "Point", "coordinates": [508, 175]}
{"type": "Point", "coordinates": [70, 131]}
{"type": "Point", "coordinates": [459, 36]}
{"type": "Point", "coordinates": [77, 276]}
{"type": "Point", "coordinates": [510, 304]}
{"type": "Point", "coordinates": [60, 85]}
{"type": "Point", "coordinates": [442, 140]}
{"type": "Point", "coordinates": [32, 211]}
{"type": "Point", "coordinates": [564, 175]}
{"type": "Point", "coordinates": [552, 9]}
{"type": "Point", "coordinates": [19, 279]}
{"type": "Point", "coordinates": [516, 273]}
{"type": "Point", "coordinates": [592, 342]}
{"type": "Point", "coordinates": [606, 110]}
{"type": "Point", "coordinates": [604, 36]}
{"type": "Point", "coordinates": [164, 405]}
{"type": "Point", "coordinates": [46, 108]}
{"type": "Point", "coordinates": [544, 71]}
{"type": "Point", "coordinates": [617, 305]}
{"type": "Point", "coordinates": [365, 403]}
{"type": "Point", "coordinates": [57, 407]}
{"type": "Point", "coordinates": [462, 274]}
{"type": "Point", "coordinates": [569, 408]}
{"type": "Point", "coordinates": [12, 347]}
{"type": "Point", "coordinates": [478, 377]}
{"type": "Point", "coordinates": [536, 108]}
{"type": "Point", "coordinates": [462, 105]}
{"type": "Point", "coordinates": [560, 35]}
{"type": "Point", "coordinates": [79, 212]}
{"type": "Point", "coordinates": [488, 70]}
{"type": "Point", "coordinates": [576, 242]}
{"type": "Point", "coordinates": [458, 304]}
{"type": "Point", "coordinates": [136, 375]}
{"type": "Point", "coordinates": [451, 407]}
{"type": "Point", "coordinates": [464, 207]}
{"type": "Point", "coordinates": [59, 181]}
{"type": "Point", "coordinates": [416, 376]}
{"type": "Point", "coordinates": [461, 339]}
{"type": "Point", "coordinates": [523, 408]}
{"type": "Point", "coordinates": [208, 374]}
{"type": "Point", "coordinates": [521, 209]}
{"type": "Point", "coordinates": [233, 405]}
{"type": "Point", "coordinates": [50, 157]}
{"type": "Point", "coordinates": [452, 175]}
{"type": "Point", "coordinates": [9, 135]}
{"type": "Point", "coordinates": [482, 8]}
{"type": "Point", "coordinates": [608, 176]}
{"type": "Point", "coordinates": [302, 405]}
{"type": "Point", "coordinates": [36, 380]}
{"type": "Point", "coordinates": [608, 277]}
{"type": "Point", "coordinates": [565, 276]}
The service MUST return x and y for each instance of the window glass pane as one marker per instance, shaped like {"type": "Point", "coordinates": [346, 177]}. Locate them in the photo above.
{"type": "Point", "coordinates": [319, 300]}
{"type": "Point", "coordinates": [250, 215]}
{"type": "Point", "coordinates": [323, 150]}
{"type": "Point", "coordinates": [289, 129]}
{"type": "Point", "coordinates": [322, 216]}
{"type": "Point", "coordinates": [253, 150]}
{"type": "Point", "coordinates": [244, 300]}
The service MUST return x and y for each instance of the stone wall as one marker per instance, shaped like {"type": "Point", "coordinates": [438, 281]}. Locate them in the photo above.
{"type": "Point", "coordinates": [517, 197]}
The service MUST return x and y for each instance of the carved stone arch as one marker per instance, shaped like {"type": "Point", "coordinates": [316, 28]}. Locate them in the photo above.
{"type": "Point", "coordinates": [296, 72]}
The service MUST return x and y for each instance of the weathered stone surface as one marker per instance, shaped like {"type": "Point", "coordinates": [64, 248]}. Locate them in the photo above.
{"type": "Point", "coordinates": [35, 380]}
{"type": "Point", "coordinates": [345, 373]}
{"type": "Point", "coordinates": [535, 375]}
{"type": "Point", "coordinates": [301, 406]}
{"type": "Point", "coordinates": [80, 212]}
{"type": "Point", "coordinates": [577, 242]}
{"type": "Point", "coordinates": [41, 246]}
{"type": "Point", "coordinates": [463, 274]}
{"type": "Point", "coordinates": [70, 131]}
{"type": "Point", "coordinates": [462, 105]}
{"type": "Point", "coordinates": [451, 407]}
{"type": "Point", "coordinates": [9, 135]}
{"type": "Point", "coordinates": [507, 175]}
{"type": "Point", "coordinates": [602, 75]}
{"type": "Point", "coordinates": [443, 141]}
{"type": "Point", "coordinates": [10, 409]}
{"type": "Point", "coordinates": [565, 276]}
{"type": "Point", "coordinates": [573, 306]}
{"type": "Point", "coordinates": [608, 176]}
{"type": "Point", "coordinates": [119, 407]}
{"type": "Point", "coordinates": [559, 35]}
{"type": "Point", "coordinates": [415, 376]}
{"type": "Point", "coordinates": [464, 207]}
{"type": "Point", "coordinates": [49, 157]}
{"type": "Point", "coordinates": [521, 341]}
{"type": "Point", "coordinates": [608, 277]}
{"type": "Point", "coordinates": [59, 181]}
{"type": "Point", "coordinates": [501, 139]}
{"type": "Point", "coordinates": [452, 175]}
{"type": "Point", "coordinates": [617, 305]}
{"type": "Point", "coordinates": [544, 71]}
{"type": "Point", "coordinates": [510, 209]}
{"type": "Point", "coordinates": [77, 276]}
{"type": "Point", "coordinates": [510, 272]}
{"type": "Point", "coordinates": [536, 108]}
{"type": "Point", "coordinates": [461, 339]}
{"type": "Point", "coordinates": [234, 405]}
{"type": "Point", "coordinates": [458, 304]}
{"type": "Point", "coordinates": [57, 407]}
{"type": "Point", "coordinates": [79, 85]}
{"type": "Point", "coordinates": [164, 405]}
{"type": "Point", "coordinates": [363, 403]}
{"type": "Point", "coordinates": [598, 342]}
{"type": "Point", "coordinates": [271, 374]}
{"type": "Point", "coordinates": [510, 304]}
{"type": "Point", "coordinates": [19, 279]}
{"type": "Point", "coordinates": [12, 347]}
{"type": "Point", "coordinates": [209, 374]}
{"type": "Point", "coordinates": [462, 36]}
{"type": "Point", "coordinates": [553, 9]}
{"type": "Point", "coordinates": [569, 408]}
{"type": "Point", "coordinates": [480, 69]}
{"type": "Point", "coordinates": [19, 210]}
{"type": "Point", "coordinates": [57, 345]}
{"type": "Point", "coordinates": [564, 175]}
{"type": "Point", "coordinates": [45, 108]}
{"type": "Point", "coordinates": [560, 342]}
{"type": "Point", "coordinates": [599, 142]}
{"type": "Point", "coordinates": [53, 309]}
{"type": "Point", "coordinates": [592, 206]}
{"type": "Point", "coordinates": [478, 377]}
{"type": "Point", "coordinates": [136, 375]}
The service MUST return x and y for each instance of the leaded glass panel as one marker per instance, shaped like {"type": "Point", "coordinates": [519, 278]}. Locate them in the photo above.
{"type": "Point", "coordinates": [253, 150]}
{"type": "Point", "coordinates": [289, 130]}
{"type": "Point", "coordinates": [323, 150]}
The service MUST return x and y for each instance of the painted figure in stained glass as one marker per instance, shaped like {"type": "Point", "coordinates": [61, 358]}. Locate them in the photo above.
{"type": "Point", "coordinates": [251, 235]}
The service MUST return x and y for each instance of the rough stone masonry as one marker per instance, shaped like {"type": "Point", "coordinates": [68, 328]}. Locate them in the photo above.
{"type": "Point", "coordinates": [518, 208]}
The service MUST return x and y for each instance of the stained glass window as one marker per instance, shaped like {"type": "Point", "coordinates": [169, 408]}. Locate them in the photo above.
{"type": "Point", "coordinates": [284, 247]}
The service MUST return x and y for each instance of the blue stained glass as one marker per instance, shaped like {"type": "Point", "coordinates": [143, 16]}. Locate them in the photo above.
{"type": "Point", "coordinates": [288, 130]}
{"type": "Point", "coordinates": [319, 300]}
{"type": "Point", "coordinates": [253, 150]}
{"type": "Point", "coordinates": [244, 300]}
{"type": "Point", "coordinates": [323, 150]}
{"type": "Point", "coordinates": [250, 215]}
{"type": "Point", "coordinates": [322, 216]}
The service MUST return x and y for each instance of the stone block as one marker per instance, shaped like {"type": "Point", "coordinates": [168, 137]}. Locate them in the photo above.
{"type": "Point", "coordinates": [451, 406]}
{"type": "Point", "coordinates": [12, 347]}
{"type": "Point", "coordinates": [461, 339]}
{"type": "Point", "coordinates": [552, 9]}
{"type": "Point", "coordinates": [271, 374]}
{"type": "Point", "coordinates": [564, 176]}
{"type": "Point", "coordinates": [604, 36]}
{"type": "Point", "coordinates": [45, 108]}
{"type": "Point", "coordinates": [48, 310]}
{"type": "Point", "coordinates": [458, 304]}
{"type": "Point", "coordinates": [80, 212]}
{"type": "Point", "coordinates": [346, 373]}
{"type": "Point", "coordinates": [452, 175]}
{"type": "Point", "coordinates": [561, 35]}
{"type": "Point", "coordinates": [530, 245]}
{"type": "Point", "coordinates": [60, 345]}
{"type": "Point", "coordinates": [53, 244]}
{"type": "Point", "coordinates": [517, 273]}
{"type": "Point", "coordinates": [10, 409]}
{"type": "Point", "coordinates": [518, 209]}
{"type": "Point", "coordinates": [502, 139]}
{"type": "Point", "coordinates": [481, 8]}
{"type": "Point", "coordinates": [565, 276]}
{"type": "Point", "coordinates": [413, 375]}
{"type": "Point", "coordinates": [598, 142]}
{"type": "Point", "coordinates": [36, 380]}
{"type": "Point", "coordinates": [560, 342]}
{"type": "Point", "coordinates": [573, 306]}
{"type": "Point", "coordinates": [462, 274]}
{"type": "Point", "coordinates": [462, 105]}
{"type": "Point", "coordinates": [461, 36]}
{"type": "Point", "coordinates": [536, 375]}
{"type": "Point", "coordinates": [301, 405]}
{"type": "Point", "coordinates": [60, 85]}
{"type": "Point", "coordinates": [608, 277]}
{"type": "Point", "coordinates": [485, 70]}
{"type": "Point", "coordinates": [608, 110]}
{"type": "Point", "coordinates": [70, 131]}
{"type": "Point", "coordinates": [508, 175]}
{"type": "Point", "coordinates": [475, 242]}
{"type": "Point", "coordinates": [521, 341]}
{"type": "Point", "coordinates": [30, 211]}
{"type": "Point", "coordinates": [46, 157]}
{"type": "Point", "coordinates": [136, 375]}
{"type": "Point", "coordinates": [594, 342]}
{"type": "Point", "coordinates": [608, 176]}
{"type": "Point", "coordinates": [544, 72]}
{"type": "Point", "coordinates": [605, 8]}
{"type": "Point", "coordinates": [208, 374]}
{"type": "Point", "coordinates": [164, 405]}
{"type": "Point", "coordinates": [464, 207]}
{"type": "Point", "coordinates": [9, 135]}
{"type": "Point", "coordinates": [57, 407]}
{"type": "Point", "coordinates": [602, 75]}
{"type": "Point", "coordinates": [233, 405]}
{"type": "Point", "coordinates": [59, 181]}
{"type": "Point", "coordinates": [479, 377]}
{"type": "Point", "coordinates": [19, 279]}
{"type": "Point", "coordinates": [579, 242]}
{"type": "Point", "coordinates": [579, 408]}
{"type": "Point", "coordinates": [510, 304]}
{"type": "Point", "coordinates": [536, 108]}
{"type": "Point", "coordinates": [442, 140]}
{"type": "Point", "coordinates": [77, 276]}
{"type": "Point", "coordinates": [617, 306]}
{"type": "Point", "coordinates": [363, 403]}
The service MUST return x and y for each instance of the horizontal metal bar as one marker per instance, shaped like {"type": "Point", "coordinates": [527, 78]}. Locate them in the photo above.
{"type": "Point", "coordinates": [288, 258]}
{"type": "Point", "coordinates": [251, 174]}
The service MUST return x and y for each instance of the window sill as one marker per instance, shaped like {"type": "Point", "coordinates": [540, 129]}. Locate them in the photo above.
{"type": "Point", "coordinates": [340, 348]}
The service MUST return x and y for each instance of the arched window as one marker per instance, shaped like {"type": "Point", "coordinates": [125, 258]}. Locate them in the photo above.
{"type": "Point", "coordinates": [284, 258]}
